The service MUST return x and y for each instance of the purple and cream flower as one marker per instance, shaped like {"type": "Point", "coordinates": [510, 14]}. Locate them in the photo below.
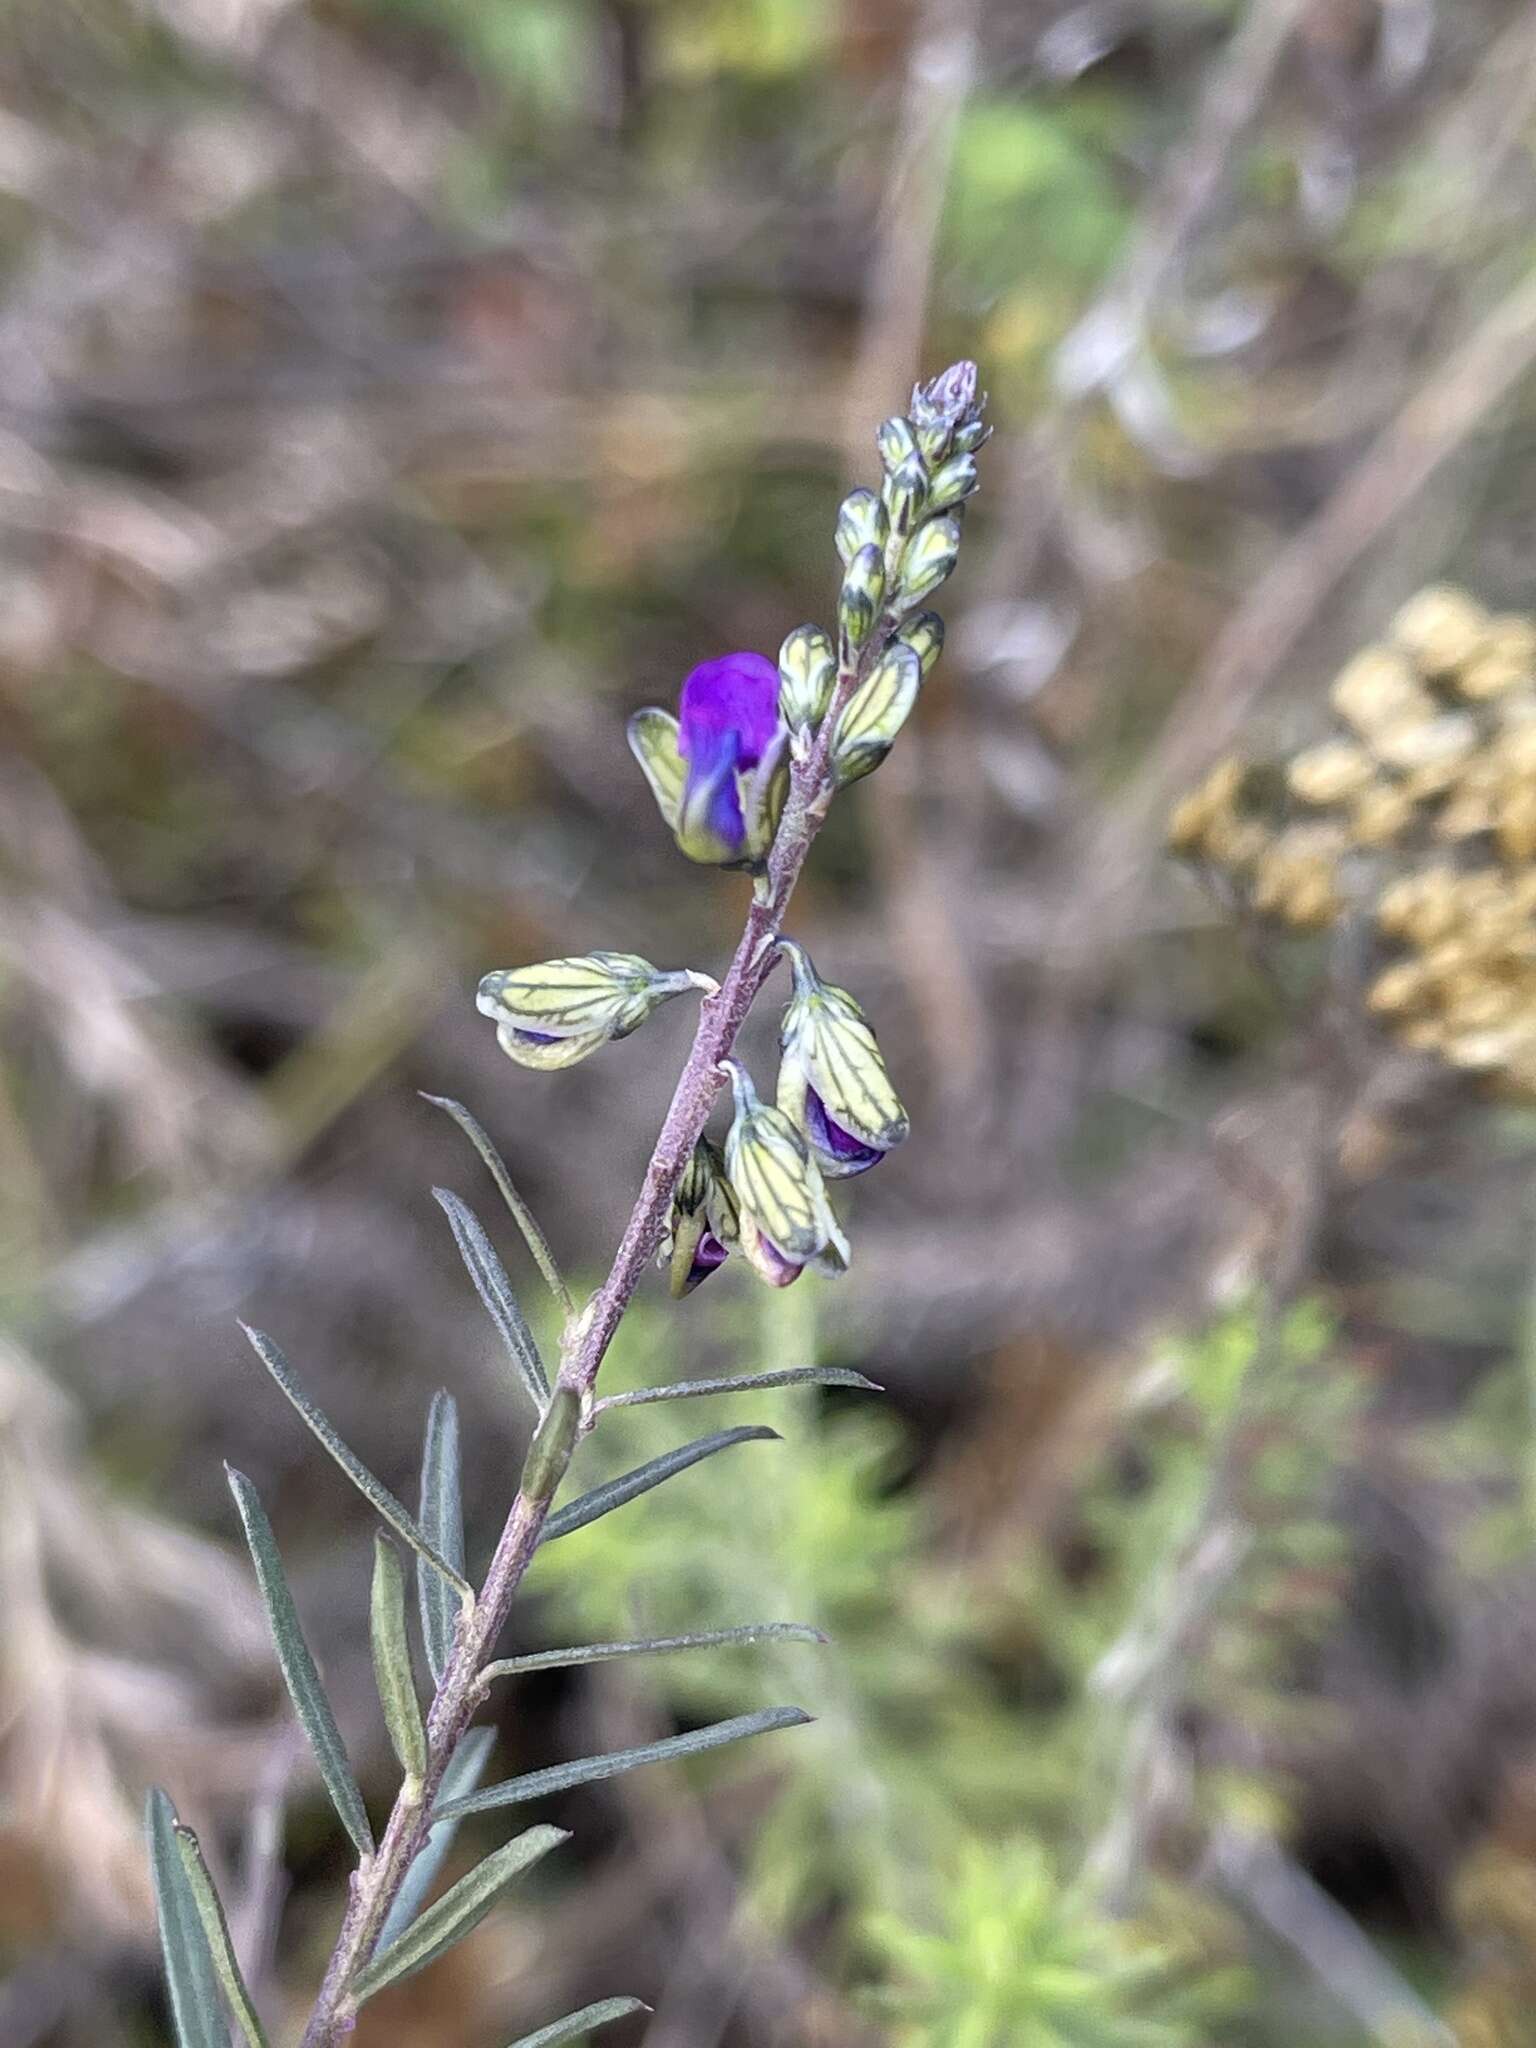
{"type": "Point", "coordinates": [557, 1012]}
{"type": "Point", "coordinates": [719, 771]}
{"type": "Point", "coordinates": [703, 1223]}
{"type": "Point", "coordinates": [785, 1220]}
{"type": "Point", "coordinates": [833, 1085]}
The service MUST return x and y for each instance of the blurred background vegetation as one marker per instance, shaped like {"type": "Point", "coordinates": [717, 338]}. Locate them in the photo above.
{"type": "Point", "coordinates": [393, 395]}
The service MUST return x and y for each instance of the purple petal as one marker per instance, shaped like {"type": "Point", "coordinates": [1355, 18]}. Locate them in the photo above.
{"type": "Point", "coordinates": [732, 703]}
{"type": "Point", "coordinates": [535, 1037]}
{"type": "Point", "coordinates": [710, 821]}
{"type": "Point", "coordinates": [851, 1153]}
{"type": "Point", "coordinates": [710, 1254]}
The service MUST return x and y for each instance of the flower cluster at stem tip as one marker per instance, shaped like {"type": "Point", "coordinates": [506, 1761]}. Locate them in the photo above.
{"type": "Point", "coordinates": [721, 770]}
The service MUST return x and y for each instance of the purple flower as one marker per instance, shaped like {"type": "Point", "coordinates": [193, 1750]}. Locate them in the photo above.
{"type": "Point", "coordinates": [833, 1085]}
{"type": "Point", "coordinates": [703, 1223]}
{"type": "Point", "coordinates": [783, 1216]}
{"type": "Point", "coordinates": [720, 770]}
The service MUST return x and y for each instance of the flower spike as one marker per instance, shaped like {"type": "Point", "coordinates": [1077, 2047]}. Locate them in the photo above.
{"type": "Point", "coordinates": [786, 1220]}
{"type": "Point", "coordinates": [833, 1085]}
{"type": "Point", "coordinates": [719, 771]}
{"type": "Point", "coordinates": [557, 1012]}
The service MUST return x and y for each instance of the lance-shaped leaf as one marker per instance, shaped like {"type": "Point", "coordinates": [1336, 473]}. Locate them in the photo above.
{"type": "Point", "coordinates": [298, 1666]}
{"type": "Point", "coordinates": [456, 1913]}
{"type": "Point", "coordinates": [392, 1662]}
{"type": "Point", "coordinates": [495, 1291]}
{"type": "Point", "coordinates": [589, 1770]}
{"type": "Point", "coordinates": [652, 1646]}
{"type": "Point", "coordinates": [189, 1973]}
{"type": "Point", "coordinates": [747, 1383]}
{"type": "Point", "coordinates": [210, 1912]}
{"type": "Point", "coordinates": [465, 1769]}
{"type": "Point", "coordinates": [374, 1491]}
{"type": "Point", "coordinates": [442, 1523]}
{"type": "Point", "coordinates": [522, 1215]}
{"type": "Point", "coordinates": [577, 2024]}
{"type": "Point", "coordinates": [614, 1493]}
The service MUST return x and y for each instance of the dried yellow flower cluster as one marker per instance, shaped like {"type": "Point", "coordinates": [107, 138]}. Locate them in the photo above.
{"type": "Point", "coordinates": [1434, 773]}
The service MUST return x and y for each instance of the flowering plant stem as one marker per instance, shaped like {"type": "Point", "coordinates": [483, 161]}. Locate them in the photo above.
{"type": "Point", "coordinates": [377, 1882]}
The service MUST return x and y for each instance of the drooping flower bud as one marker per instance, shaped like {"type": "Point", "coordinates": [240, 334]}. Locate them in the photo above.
{"type": "Point", "coordinates": [556, 1012]}
{"type": "Point", "coordinates": [833, 1084]}
{"type": "Point", "coordinates": [869, 722]}
{"type": "Point", "coordinates": [703, 1223]}
{"type": "Point", "coordinates": [861, 523]}
{"type": "Point", "coordinates": [785, 1220]}
{"type": "Point", "coordinates": [719, 771]}
{"type": "Point", "coordinates": [860, 599]}
{"type": "Point", "coordinates": [807, 678]}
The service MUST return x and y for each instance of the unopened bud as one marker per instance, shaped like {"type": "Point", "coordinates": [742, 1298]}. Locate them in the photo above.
{"type": "Point", "coordinates": [807, 677]}
{"type": "Point", "coordinates": [862, 595]}
{"type": "Point", "coordinates": [861, 522]}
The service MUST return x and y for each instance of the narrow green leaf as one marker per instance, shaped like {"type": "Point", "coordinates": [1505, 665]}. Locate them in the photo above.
{"type": "Point", "coordinates": [630, 1485]}
{"type": "Point", "coordinates": [465, 1769]}
{"type": "Point", "coordinates": [575, 2024]}
{"type": "Point", "coordinates": [588, 1770]}
{"type": "Point", "coordinates": [189, 1973]}
{"type": "Point", "coordinates": [373, 1490]}
{"type": "Point", "coordinates": [298, 1666]}
{"type": "Point", "coordinates": [652, 1646]}
{"type": "Point", "coordinates": [456, 1913]}
{"type": "Point", "coordinates": [484, 1267]}
{"type": "Point", "coordinates": [756, 1382]}
{"type": "Point", "coordinates": [442, 1523]}
{"type": "Point", "coordinates": [210, 1912]}
{"type": "Point", "coordinates": [522, 1215]}
{"type": "Point", "coordinates": [392, 1671]}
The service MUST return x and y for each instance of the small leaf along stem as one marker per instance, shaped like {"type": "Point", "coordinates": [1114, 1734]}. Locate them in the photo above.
{"type": "Point", "coordinates": [587, 1338]}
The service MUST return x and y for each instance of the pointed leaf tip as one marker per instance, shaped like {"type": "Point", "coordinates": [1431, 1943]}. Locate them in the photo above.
{"type": "Point", "coordinates": [522, 1215]}
{"type": "Point", "coordinates": [483, 1265]}
{"type": "Point", "coordinates": [616, 1493]}
{"type": "Point", "coordinates": [591, 1770]}
{"type": "Point", "coordinates": [190, 1982]}
{"type": "Point", "coordinates": [576, 2024]}
{"type": "Point", "coordinates": [210, 1912]}
{"type": "Point", "coordinates": [373, 1490]}
{"type": "Point", "coordinates": [298, 1666]}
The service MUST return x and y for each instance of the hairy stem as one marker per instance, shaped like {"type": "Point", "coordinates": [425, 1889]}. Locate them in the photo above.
{"type": "Point", "coordinates": [377, 1882]}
